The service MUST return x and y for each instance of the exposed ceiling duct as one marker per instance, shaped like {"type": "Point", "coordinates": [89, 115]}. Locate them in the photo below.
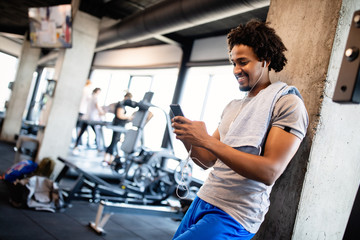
{"type": "Point", "coordinates": [170, 16]}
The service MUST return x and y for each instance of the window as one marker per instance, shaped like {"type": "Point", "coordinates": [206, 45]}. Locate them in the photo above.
{"type": "Point", "coordinates": [40, 94]}
{"type": "Point", "coordinates": [8, 67]}
{"type": "Point", "coordinates": [206, 92]}
{"type": "Point", "coordinates": [114, 84]}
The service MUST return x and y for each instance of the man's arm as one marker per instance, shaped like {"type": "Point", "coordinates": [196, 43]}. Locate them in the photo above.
{"type": "Point", "coordinates": [100, 110]}
{"type": "Point", "coordinates": [120, 114]}
{"type": "Point", "coordinates": [280, 147]}
{"type": "Point", "coordinates": [201, 156]}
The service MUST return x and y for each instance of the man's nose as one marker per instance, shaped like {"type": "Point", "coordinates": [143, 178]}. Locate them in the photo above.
{"type": "Point", "coordinates": [238, 70]}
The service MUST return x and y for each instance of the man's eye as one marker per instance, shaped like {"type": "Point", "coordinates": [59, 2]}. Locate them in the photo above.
{"type": "Point", "coordinates": [240, 63]}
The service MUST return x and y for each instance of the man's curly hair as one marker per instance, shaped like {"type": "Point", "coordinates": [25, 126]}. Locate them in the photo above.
{"type": "Point", "coordinates": [266, 44]}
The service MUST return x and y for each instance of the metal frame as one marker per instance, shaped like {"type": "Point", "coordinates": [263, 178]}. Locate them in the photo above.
{"type": "Point", "coordinates": [130, 197]}
{"type": "Point", "coordinates": [107, 209]}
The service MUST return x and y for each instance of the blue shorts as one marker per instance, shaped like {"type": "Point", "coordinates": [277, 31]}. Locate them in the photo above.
{"type": "Point", "coordinates": [205, 221]}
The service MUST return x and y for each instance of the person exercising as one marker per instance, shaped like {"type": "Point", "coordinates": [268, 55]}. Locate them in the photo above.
{"type": "Point", "coordinates": [120, 119]}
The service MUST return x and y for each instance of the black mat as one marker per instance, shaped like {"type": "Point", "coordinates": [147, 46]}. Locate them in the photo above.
{"type": "Point", "coordinates": [72, 223]}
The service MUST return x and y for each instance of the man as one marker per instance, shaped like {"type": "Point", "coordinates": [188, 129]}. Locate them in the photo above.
{"type": "Point", "coordinates": [86, 95]}
{"type": "Point", "coordinates": [94, 113]}
{"type": "Point", "coordinates": [120, 119]}
{"type": "Point", "coordinates": [254, 142]}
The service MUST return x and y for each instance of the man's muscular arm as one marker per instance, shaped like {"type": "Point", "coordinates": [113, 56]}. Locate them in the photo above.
{"type": "Point", "coordinates": [280, 147]}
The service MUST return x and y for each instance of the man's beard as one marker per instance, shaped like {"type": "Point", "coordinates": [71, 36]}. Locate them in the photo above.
{"type": "Point", "coordinates": [244, 88]}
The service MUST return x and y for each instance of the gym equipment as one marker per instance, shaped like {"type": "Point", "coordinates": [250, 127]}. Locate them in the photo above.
{"type": "Point", "coordinates": [26, 148]}
{"type": "Point", "coordinates": [147, 178]}
{"type": "Point", "coordinates": [347, 89]}
{"type": "Point", "coordinates": [107, 209]}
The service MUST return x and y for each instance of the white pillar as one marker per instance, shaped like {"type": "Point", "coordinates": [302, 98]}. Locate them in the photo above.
{"type": "Point", "coordinates": [19, 95]}
{"type": "Point", "coordinates": [71, 72]}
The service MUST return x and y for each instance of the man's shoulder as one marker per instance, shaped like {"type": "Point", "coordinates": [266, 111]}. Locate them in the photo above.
{"type": "Point", "coordinates": [290, 111]}
{"type": "Point", "coordinates": [290, 99]}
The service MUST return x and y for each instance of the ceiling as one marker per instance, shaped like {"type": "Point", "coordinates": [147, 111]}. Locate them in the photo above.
{"type": "Point", "coordinates": [14, 21]}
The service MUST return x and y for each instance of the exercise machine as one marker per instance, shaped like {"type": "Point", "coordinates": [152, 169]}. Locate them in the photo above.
{"type": "Point", "coordinates": [147, 179]}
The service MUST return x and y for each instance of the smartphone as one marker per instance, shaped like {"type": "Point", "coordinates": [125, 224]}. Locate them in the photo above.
{"type": "Point", "coordinates": [176, 110]}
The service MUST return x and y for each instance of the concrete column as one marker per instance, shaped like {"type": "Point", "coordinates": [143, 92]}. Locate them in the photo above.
{"type": "Point", "coordinates": [71, 71]}
{"type": "Point", "coordinates": [333, 175]}
{"type": "Point", "coordinates": [313, 198]}
{"type": "Point", "coordinates": [19, 95]}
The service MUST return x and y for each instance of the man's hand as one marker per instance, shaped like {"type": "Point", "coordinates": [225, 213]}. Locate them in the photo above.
{"type": "Point", "coordinates": [194, 135]}
{"type": "Point", "coordinates": [190, 132]}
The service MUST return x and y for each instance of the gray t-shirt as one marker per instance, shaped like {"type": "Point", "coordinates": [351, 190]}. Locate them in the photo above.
{"type": "Point", "coordinates": [244, 199]}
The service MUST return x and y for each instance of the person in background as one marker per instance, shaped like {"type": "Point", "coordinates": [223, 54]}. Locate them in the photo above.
{"type": "Point", "coordinates": [255, 140]}
{"type": "Point", "coordinates": [120, 120]}
{"type": "Point", "coordinates": [94, 113]}
{"type": "Point", "coordinates": [85, 98]}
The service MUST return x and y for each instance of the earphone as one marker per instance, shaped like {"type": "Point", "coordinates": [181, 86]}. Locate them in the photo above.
{"type": "Point", "coordinates": [262, 72]}
{"type": "Point", "coordinates": [182, 183]}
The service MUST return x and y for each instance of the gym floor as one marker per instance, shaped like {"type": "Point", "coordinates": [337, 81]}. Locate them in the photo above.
{"type": "Point", "coordinates": [72, 222]}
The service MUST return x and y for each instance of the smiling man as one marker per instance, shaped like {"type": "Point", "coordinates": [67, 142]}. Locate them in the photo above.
{"type": "Point", "coordinates": [253, 144]}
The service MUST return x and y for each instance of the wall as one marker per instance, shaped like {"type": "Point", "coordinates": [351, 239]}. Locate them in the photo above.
{"type": "Point", "coordinates": [313, 198]}
{"type": "Point", "coordinates": [206, 49]}
{"type": "Point", "coordinates": [210, 49]}
{"type": "Point", "coordinates": [10, 47]}
{"type": "Point", "coordinates": [139, 57]}
{"type": "Point", "coordinates": [333, 178]}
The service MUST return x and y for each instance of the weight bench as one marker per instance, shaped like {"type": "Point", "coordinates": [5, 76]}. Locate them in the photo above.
{"type": "Point", "coordinates": [88, 186]}
{"type": "Point", "coordinates": [113, 199]}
